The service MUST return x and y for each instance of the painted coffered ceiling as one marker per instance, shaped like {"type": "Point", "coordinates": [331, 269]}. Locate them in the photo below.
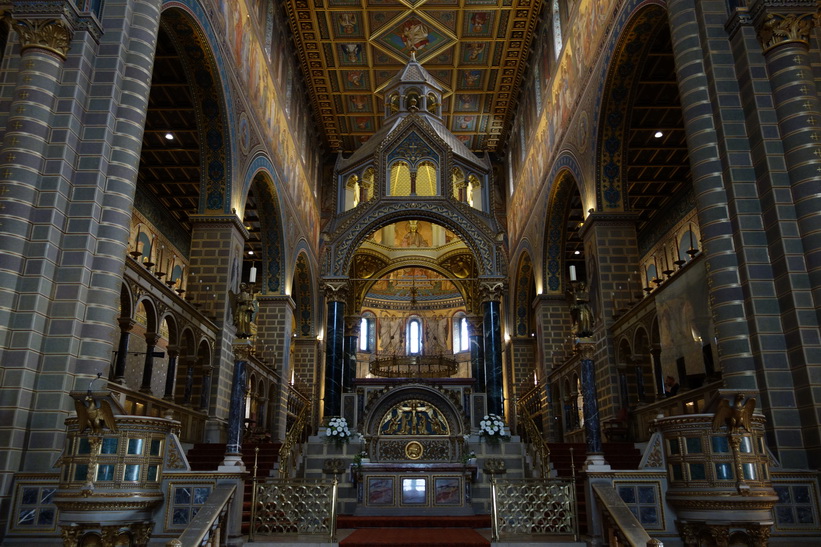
{"type": "Point", "coordinates": [477, 49]}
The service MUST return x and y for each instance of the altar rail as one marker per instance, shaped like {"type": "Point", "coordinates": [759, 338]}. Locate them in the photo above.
{"type": "Point", "coordinates": [525, 507]}
{"type": "Point", "coordinates": [293, 506]}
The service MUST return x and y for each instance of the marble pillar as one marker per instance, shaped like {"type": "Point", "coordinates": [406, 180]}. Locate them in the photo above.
{"type": "Point", "coordinates": [151, 339]}
{"type": "Point", "coordinates": [491, 307]}
{"type": "Point", "coordinates": [171, 376]}
{"type": "Point", "coordinates": [335, 294]}
{"type": "Point", "coordinates": [592, 423]}
{"type": "Point", "coordinates": [352, 323]}
{"type": "Point", "coordinates": [236, 414]}
{"type": "Point", "coordinates": [126, 324]}
{"type": "Point", "coordinates": [477, 352]}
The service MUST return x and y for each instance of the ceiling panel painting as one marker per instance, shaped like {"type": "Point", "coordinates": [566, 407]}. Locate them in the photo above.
{"type": "Point", "coordinates": [476, 49]}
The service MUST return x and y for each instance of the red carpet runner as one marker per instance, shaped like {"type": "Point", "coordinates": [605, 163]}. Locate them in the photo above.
{"type": "Point", "coordinates": [454, 531]}
{"type": "Point", "coordinates": [415, 537]}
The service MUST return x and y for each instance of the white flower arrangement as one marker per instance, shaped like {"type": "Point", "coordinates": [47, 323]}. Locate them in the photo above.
{"type": "Point", "coordinates": [337, 430]}
{"type": "Point", "coordinates": [492, 428]}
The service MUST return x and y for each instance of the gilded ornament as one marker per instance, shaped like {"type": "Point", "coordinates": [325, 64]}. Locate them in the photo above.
{"type": "Point", "coordinates": [781, 28]}
{"type": "Point", "coordinates": [50, 34]}
{"type": "Point", "coordinates": [414, 450]}
{"type": "Point", "coordinates": [736, 416]}
{"type": "Point", "coordinates": [95, 415]}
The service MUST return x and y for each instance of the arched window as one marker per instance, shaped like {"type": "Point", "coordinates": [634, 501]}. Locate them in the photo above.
{"type": "Point", "coordinates": [459, 186]}
{"type": "Point", "coordinates": [400, 179]}
{"type": "Point", "coordinates": [461, 341]}
{"type": "Point", "coordinates": [474, 192]}
{"type": "Point", "coordinates": [367, 332]}
{"type": "Point", "coordinates": [351, 192]}
{"type": "Point", "coordinates": [426, 179]}
{"type": "Point", "coordinates": [414, 336]}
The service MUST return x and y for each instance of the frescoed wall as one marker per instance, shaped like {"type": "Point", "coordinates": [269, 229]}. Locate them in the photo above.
{"type": "Point", "coordinates": [281, 114]}
{"type": "Point", "coordinates": [549, 102]}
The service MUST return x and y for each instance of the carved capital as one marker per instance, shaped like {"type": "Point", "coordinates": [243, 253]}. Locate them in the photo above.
{"type": "Point", "coordinates": [142, 532]}
{"type": "Point", "coordinates": [759, 533]}
{"type": "Point", "coordinates": [586, 350]}
{"type": "Point", "coordinates": [336, 291]}
{"type": "Point", "coordinates": [242, 351]}
{"type": "Point", "coordinates": [778, 29]}
{"type": "Point", "coordinates": [476, 323]}
{"type": "Point", "coordinates": [352, 324]}
{"type": "Point", "coordinates": [491, 290]}
{"type": "Point", "coordinates": [52, 35]}
{"type": "Point", "coordinates": [126, 323]}
{"type": "Point", "coordinates": [70, 534]}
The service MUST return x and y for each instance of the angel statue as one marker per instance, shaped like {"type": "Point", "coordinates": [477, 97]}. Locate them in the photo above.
{"type": "Point", "coordinates": [94, 414]}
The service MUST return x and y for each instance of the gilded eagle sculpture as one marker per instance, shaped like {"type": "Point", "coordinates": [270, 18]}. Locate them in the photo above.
{"type": "Point", "coordinates": [736, 416]}
{"type": "Point", "coordinates": [94, 415]}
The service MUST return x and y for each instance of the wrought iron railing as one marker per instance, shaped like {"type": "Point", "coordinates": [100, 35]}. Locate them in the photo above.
{"type": "Point", "coordinates": [293, 506]}
{"type": "Point", "coordinates": [620, 524]}
{"type": "Point", "coordinates": [533, 506]}
{"type": "Point", "coordinates": [208, 527]}
{"type": "Point", "coordinates": [527, 406]}
{"type": "Point", "coordinates": [413, 366]}
{"type": "Point", "coordinates": [293, 438]}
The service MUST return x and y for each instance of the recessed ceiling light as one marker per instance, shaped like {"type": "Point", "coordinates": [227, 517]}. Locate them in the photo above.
{"type": "Point", "coordinates": [169, 136]}
{"type": "Point", "coordinates": [577, 252]}
{"type": "Point", "coordinates": [658, 134]}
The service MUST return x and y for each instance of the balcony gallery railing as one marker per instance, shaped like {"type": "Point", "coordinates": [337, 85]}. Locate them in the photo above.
{"type": "Point", "coordinates": [413, 366]}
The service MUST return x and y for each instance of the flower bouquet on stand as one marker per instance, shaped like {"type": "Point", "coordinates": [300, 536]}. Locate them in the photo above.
{"type": "Point", "coordinates": [337, 431]}
{"type": "Point", "coordinates": [492, 429]}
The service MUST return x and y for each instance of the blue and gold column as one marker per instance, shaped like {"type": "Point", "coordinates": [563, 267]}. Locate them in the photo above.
{"type": "Point", "coordinates": [336, 293]}
{"type": "Point", "coordinates": [492, 311]}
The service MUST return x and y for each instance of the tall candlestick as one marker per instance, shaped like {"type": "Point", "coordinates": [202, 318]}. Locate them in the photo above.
{"type": "Point", "coordinates": [691, 235]}
{"type": "Point", "coordinates": [572, 273]}
{"type": "Point", "coordinates": [137, 240]}
{"type": "Point", "coordinates": [159, 262]}
{"type": "Point", "coordinates": [656, 265]}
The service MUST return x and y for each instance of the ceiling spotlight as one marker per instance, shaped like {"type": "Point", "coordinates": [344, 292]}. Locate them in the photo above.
{"type": "Point", "coordinates": [658, 134]}
{"type": "Point", "coordinates": [577, 252]}
{"type": "Point", "coordinates": [169, 136]}
{"type": "Point", "coordinates": [250, 252]}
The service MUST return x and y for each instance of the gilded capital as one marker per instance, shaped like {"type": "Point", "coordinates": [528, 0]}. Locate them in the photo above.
{"type": "Point", "coordinates": [242, 350]}
{"type": "Point", "coordinates": [785, 28]}
{"type": "Point", "coordinates": [50, 34]}
{"type": "Point", "coordinates": [586, 350]}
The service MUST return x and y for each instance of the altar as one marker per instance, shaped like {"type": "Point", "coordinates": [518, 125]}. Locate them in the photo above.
{"type": "Point", "coordinates": [414, 488]}
{"type": "Point", "coordinates": [417, 464]}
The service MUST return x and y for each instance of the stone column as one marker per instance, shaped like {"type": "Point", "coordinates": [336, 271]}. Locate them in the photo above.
{"type": "Point", "coordinates": [784, 33]}
{"type": "Point", "coordinates": [352, 323]}
{"type": "Point", "coordinates": [655, 355]}
{"type": "Point", "coordinates": [491, 308]}
{"type": "Point", "coordinates": [592, 426]}
{"type": "Point", "coordinates": [236, 414]}
{"type": "Point", "coordinates": [336, 293]}
{"type": "Point", "coordinates": [151, 339]}
{"type": "Point", "coordinates": [190, 363]}
{"type": "Point", "coordinates": [477, 352]}
{"type": "Point", "coordinates": [205, 394]}
{"type": "Point", "coordinates": [126, 324]}
{"type": "Point", "coordinates": [171, 376]}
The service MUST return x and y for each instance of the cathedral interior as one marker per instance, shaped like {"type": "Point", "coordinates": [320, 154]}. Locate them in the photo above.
{"type": "Point", "coordinates": [277, 269]}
